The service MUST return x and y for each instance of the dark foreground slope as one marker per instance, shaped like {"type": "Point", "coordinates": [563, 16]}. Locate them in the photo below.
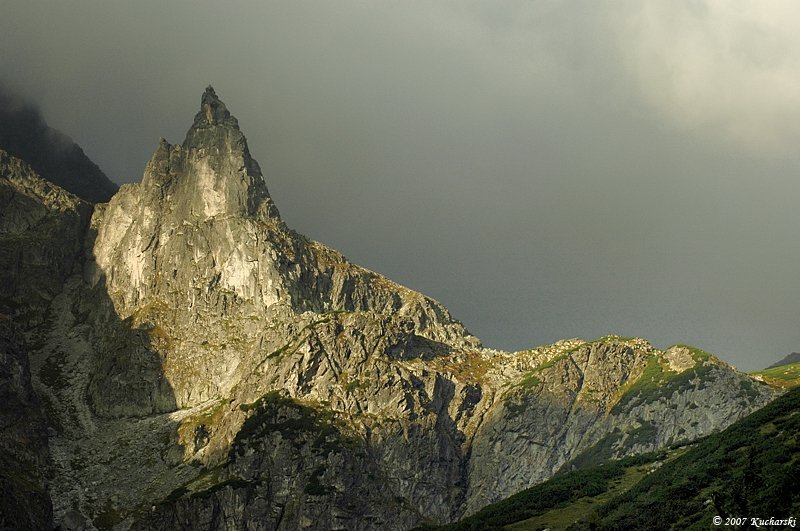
{"type": "Point", "coordinates": [751, 469]}
{"type": "Point", "coordinates": [24, 501]}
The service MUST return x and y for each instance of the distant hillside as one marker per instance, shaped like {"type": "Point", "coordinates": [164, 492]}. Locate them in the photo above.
{"type": "Point", "coordinates": [52, 154]}
{"type": "Point", "coordinates": [794, 357]}
{"type": "Point", "coordinates": [750, 469]}
{"type": "Point", "coordinates": [780, 377]}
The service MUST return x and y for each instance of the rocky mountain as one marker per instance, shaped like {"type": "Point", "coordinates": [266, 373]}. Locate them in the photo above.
{"type": "Point", "coordinates": [203, 366]}
{"type": "Point", "coordinates": [51, 154]}
{"type": "Point", "coordinates": [751, 468]}
{"type": "Point", "coordinates": [794, 357]}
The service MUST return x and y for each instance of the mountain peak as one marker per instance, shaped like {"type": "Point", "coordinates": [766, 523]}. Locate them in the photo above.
{"type": "Point", "coordinates": [213, 112]}
{"type": "Point", "coordinates": [212, 173]}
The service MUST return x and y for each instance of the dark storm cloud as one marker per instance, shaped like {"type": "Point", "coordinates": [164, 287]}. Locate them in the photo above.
{"type": "Point", "coordinates": [546, 169]}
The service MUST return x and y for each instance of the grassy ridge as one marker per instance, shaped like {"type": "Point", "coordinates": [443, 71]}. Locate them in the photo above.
{"type": "Point", "coordinates": [785, 376]}
{"type": "Point", "coordinates": [657, 382]}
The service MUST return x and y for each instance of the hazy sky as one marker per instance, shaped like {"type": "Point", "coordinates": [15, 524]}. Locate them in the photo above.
{"type": "Point", "coordinates": [546, 169]}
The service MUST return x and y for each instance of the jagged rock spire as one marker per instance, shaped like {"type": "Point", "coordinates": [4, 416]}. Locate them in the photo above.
{"type": "Point", "coordinates": [213, 112]}
{"type": "Point", "coordinates": [212, 173]}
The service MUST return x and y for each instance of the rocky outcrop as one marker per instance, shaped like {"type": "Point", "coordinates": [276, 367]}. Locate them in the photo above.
{"type": "Point", "coordinates": [24, 461]}
{"type": "Point", "coordinates": [584, 403]}
{"type": "Point", "coordinates": [206, 367]}
{"type": "Point", "coordinates": [197, 257]}
{"type": "Point", "coordinates": [41, 235]}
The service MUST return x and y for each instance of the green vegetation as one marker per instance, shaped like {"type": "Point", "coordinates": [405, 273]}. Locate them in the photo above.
{"type": "Point", "coordinates": [548, 364]}
{"type": "Point", "coordinates": [784, 377]}
{"type": "Point", "coordinates": [751, 469]}
{"type": "Point", "coordinates": [517, 402]}
{"type": "Point", "coordinates": [353, 385]}
{"type": "Point", "coordinates": [558, 493]}
{"type": "Point", "coordinates": [296, 422]}
{"type": "Point", "coordinates": [657, 381]}
{"type": "Point", "coordinates": [210, 416]}
{"type": "Point", "coordinates": [582, 508]}
{"type": "Point", "coordinates": [529, 381]}
{"type": "Point", "coordinates": [356, 384]}
{"type": "Point", "coordinates": [612, 337]}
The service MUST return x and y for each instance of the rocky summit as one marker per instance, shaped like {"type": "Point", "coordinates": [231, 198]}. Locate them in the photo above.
{"type": "Point", "coordinates": [190, 362]}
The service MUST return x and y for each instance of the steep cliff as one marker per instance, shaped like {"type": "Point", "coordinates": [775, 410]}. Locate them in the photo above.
{"type": "Point", "coordinates": [583, 403]}
{"type": "Point", "coordinates": [25, 504]}
{"type": "Point", "coordinates": [206, 367]}
{"type": "Point", "coordinates": [42, 229]}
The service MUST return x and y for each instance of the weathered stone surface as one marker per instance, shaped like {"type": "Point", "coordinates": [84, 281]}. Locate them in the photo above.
{"type": "Point", "coordinates": [209, 368]}
{"type": "Point", "coordinates": [41, 237]}
{"type": "Point", "coordinates": [24, 461]}
{"type": "Point", "coordinates": [197, 257]}
{"type": "Point", "coordinates": [590, 402]}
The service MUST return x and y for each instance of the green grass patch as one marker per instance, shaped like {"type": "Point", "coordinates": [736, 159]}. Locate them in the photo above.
{"type": "Point", "coordinates": [784, 377]}
{"type": "Point", "coordinates": [356, 384]}
{"type": "Point", "coordinates": [752, 468]}
{"type": "Point", "coordinates": [582, 508]}
{"type": "Point", "coordinates": [601, 451]}
{"type": "Point", "coordinates": [612, 337]}
{"type": "Point", "coordinates": [548, 364]}
{"type": "Point", "coordinates": [297, 422]}
{"type": "Point", "coordinates": [516, 396]}
{"type": "Point", "coordinates": [657, 381]}
{"type": "Point", "coordinates": [560, 492]}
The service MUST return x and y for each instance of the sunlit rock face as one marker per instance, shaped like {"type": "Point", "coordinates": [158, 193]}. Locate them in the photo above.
{"type": "Point", "coordinates": [206, 367]}
{"type": "Point", "coordinates": [198, 252]}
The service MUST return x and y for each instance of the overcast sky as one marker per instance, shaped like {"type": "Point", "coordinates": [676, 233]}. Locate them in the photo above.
{"type": "Point", "coordinates": [545, 169]}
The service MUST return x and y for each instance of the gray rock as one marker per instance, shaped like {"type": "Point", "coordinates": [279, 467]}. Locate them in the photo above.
{"type": "Point", "coordinates": [24, 461]}
{"type": "Point", "coordinates": [41, 236]}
